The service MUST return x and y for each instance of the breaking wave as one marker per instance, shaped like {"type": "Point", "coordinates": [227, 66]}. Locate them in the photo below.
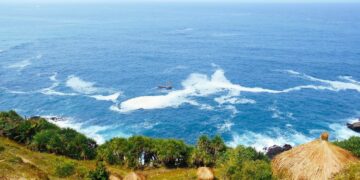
{"type": "Point", "coordinates": [200, 85]}
{"type": "Point", "coordinates": [24, 63]}
{"type": "Point", "coordinates": [261, 140]}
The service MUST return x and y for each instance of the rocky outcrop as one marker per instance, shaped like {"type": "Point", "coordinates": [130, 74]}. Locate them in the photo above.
{"type": "Point", "coordinates": [355, 126]}
{"type": "Point", "coordinates": [275, 150]}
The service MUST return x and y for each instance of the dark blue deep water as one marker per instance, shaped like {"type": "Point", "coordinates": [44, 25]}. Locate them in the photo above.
{"type": "Point", "coordinates": [256, 74]}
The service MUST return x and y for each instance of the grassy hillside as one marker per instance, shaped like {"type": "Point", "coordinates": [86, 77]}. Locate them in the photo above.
{"type": "Point", "coordinates": [16, 161]}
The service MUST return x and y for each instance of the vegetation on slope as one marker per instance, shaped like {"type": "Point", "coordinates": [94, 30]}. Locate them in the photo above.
{"type": "Point", "coordinates": [156, 158]}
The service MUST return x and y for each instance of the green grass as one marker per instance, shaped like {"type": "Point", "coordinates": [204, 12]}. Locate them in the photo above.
{"type": "Point", "coordinates": [16, 161]}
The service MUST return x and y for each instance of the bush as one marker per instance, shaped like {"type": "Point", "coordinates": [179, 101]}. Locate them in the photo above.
{"type": "Point", "coordinates": [100, 173]}
{"type": "Point", "coordinates": [64, 169]}
{"type": "Point", "coordinates": [81, 172]}
{"type": "Point", "coordinates": [256, 170]}
{"type": "Point", "coordinates": [352, 144]}
{"type": "Point", "coordinates": [2, 148]}
{"type": "Point", "coordinates": [244, 163]}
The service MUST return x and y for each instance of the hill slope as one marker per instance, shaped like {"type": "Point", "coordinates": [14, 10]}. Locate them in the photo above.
{"type": "Point", "coordinates": [16, 162]}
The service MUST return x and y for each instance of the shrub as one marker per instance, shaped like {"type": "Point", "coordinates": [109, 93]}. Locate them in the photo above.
{"type": "Point", "coordinates": [81, 172]}
{"type": "Point", "coordinates": [100, 173]}
{"type": "Point", "coordinates": [245, 162]}
{"type": "Point", "coordinates": [64, 169]}
{"type": "Point", "coordinates": [2, 148]}
{"type": "Point", "coordinates": [352, 144]}
{"type": "Point", "coordinates": [256, 170]}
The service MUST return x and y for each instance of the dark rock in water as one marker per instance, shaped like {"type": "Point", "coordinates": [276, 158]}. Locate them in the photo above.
{"type": "Point", "coordinates": [275, 150]}
{"type": "Point", "coordinates": [354, 126]}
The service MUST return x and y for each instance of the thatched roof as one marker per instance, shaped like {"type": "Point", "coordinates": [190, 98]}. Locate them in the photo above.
{"type": "Point", "coordinates": [315, 160]}
{"type": "Point", "coordinates": [134, 176]}
{"type": "Point", "coordinates": [205, 173]}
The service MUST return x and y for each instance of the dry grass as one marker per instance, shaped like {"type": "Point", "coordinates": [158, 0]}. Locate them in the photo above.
{"type": "Point", "coordinates": [352, 172]}
{"type": "Point", "coordinates": [316, 160]}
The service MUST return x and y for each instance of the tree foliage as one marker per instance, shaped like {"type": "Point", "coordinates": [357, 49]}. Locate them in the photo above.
{"type": "Point", "coordinates": [44, 136]}
{"type": "Point", "coordinates": [207, 151]}
{"type": "Point", "coordinates": [245, 163]}
{"type": "Point", "coordinates": [352, 144]}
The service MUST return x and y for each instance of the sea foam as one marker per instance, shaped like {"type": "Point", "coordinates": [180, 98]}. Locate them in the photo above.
{"type": "Point", "coordinates": [81, 86]}
{"type": "Point", "coordinates": [196, 85]}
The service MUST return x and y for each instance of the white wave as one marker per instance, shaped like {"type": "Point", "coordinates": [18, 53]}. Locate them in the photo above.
{"type": "Point", "coordinates": [80, 85]}
{"type": "Point", "coordinates": [196, 85]}
{"type": "Point", "coordinates": [200, 85]}
{"type": "Point", "coordinates": [20, 65]}
{"type": "Point", "coordinates": [260, 141]}
{"type": "Point", "coordinates": [24, 63]}
{"type": "Point", "coordinates": [340, 131]}
{"type": "Point", "coordinates": [232, 109]}
{"type": "Point", "coordinates": [15, 91]}
{"type": "Point", "coordinates": [51, 90]}
{"type": "Point", "coordinates": [349, 84]}
{"type": "Point", "coordinates": [226, 126]}
{"type": "Point", "coordinates": [349, 78]}
{"type": "Point", "coordinates": [90, 131]}
{"type": "Point", "coordinates": [278, 114]}
{"type": "Point", "coordinates": [111, 97]}
{"type": "Point", "coordinates": [233, 100]}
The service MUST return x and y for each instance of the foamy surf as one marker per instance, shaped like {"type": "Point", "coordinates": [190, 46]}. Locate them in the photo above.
{"type": "Point", "coordinates": [196, 85]}
{"type": "Point", "coordinates": [261, 140]}
{"type": "Point", "coordinates": [111, 97]}
{"type": "Point", "coordinates": [200, 85]}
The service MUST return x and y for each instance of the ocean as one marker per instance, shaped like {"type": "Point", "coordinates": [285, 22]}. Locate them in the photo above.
{"type": "Point", "coordinates": [256, 74]}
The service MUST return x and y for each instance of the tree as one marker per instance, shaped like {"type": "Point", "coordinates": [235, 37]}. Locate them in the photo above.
{"type": "Point", "coordinates": [208, 151]}
{"type": "Point", "coordinates": [172, 153]}
{"type": "Point", "coordinates": [100, 173]}
{"type": "Point", "coordinates": [141, 152]}
{"type": "Point", "coordinates": [113, 151]}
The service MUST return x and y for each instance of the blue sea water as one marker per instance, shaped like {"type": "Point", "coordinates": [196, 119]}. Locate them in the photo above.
{"type": "Point", "coordinates": [257, 74]}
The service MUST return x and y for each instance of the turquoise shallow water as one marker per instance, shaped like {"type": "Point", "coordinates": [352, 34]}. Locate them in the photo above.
{"type": "Point", "coordinates": [256, 74]}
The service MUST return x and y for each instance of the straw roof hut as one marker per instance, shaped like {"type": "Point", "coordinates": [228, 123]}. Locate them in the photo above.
{"type": "Point", "coordinates": [134, 176]}
{"type": "Point", "coordinates": [205, 173]}
{"type": "Point", "coordinates": [316, 160]}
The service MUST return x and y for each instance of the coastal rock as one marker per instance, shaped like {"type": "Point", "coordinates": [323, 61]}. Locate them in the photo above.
{"type": "Point", "coordinates": [354, 126]}
{"type": "Point", "coordinates": [275, 150]}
